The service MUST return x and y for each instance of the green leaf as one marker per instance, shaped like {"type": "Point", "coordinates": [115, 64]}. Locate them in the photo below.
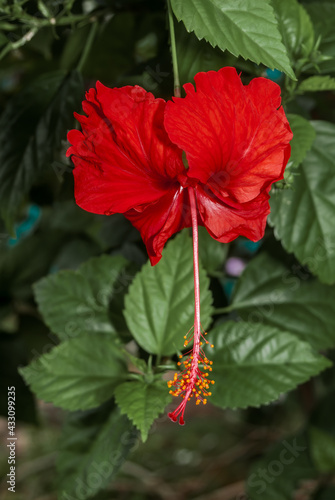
{"type": "Point", "coordinates": [295, 27]}
{"type": "Point", "coordinates": [278, 474]}
{"type": "Point", "coordinates": [303, 138]}
{"type": "Point", "coordinates": [247, 28]}
{"type": "Point", "coordinates": [270, 293]}
{"type": "Point", "coordinates": [317, 83]}
{"type": "Point", "coordinates": [138, 363]}
{"type": "Point", "coordinates": [78, 374]}
{"type": "Point", "coordinates": [322, 449]}
{"type": "Point", "coordinates": [254, 364]}
{"type": "Point", "coordinates": [76, 302]}
{"type": "Point", "coordinates": [142, 402]}
{"type": "Point", "coordinates": [159, 308]}
{"type": "Point", "coordinates": [303, 217]}
{"type": "Point", "coordinates": [31, 129]}
{"type": "Point", "coordinates": [94, 445]}
{"type": "Point", "coordinates": [212, 253]}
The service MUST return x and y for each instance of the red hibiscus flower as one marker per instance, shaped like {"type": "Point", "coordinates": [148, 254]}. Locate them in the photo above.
{"type": "Point", "coordinates": [207, 159]}
{"type": "Point", "coordinates": [129, 156]}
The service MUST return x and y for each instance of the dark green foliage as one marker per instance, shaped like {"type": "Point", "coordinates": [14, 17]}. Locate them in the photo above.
{"type": "Point", "coordinates": [102, 328]}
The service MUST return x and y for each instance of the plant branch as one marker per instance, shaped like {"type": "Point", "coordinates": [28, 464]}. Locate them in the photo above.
{"type": "Point", "coordinates": [173, 51]}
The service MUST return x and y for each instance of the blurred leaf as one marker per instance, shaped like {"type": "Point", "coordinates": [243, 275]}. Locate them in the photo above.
{"type": "Point", "coordinates": [322, 450]}
{"type": "Point", "coordinates": [142, 402]}
{"type": "Point", "coordinates": [295, 27]}
{"type": "Point", "coordinates": [3, 39]}
{"type": "Point", "coordinates": [254, 364]}
{"type": "Point", "coordinates": [212, 253]}
{"type": "Point", "coordinates": [277, 475]}
{"type": "Point", "coordinates": [74, 47]}
{"type": "Point", "coordinates": [24, 263]}
{"type": "Point", "coordinates": [76, 302]}
{"type": "Point", "coordinates": [146, 47]}
{"type": "Point", "coordinates": [322, 15]}
{"type": "Point", "coordinates": [326, 493]}
{"type": "Point", "coordinates": [12, 355]}
{"type": "Point", "coordinates": [44, 9]}
{"type": "Point", "coordinates": [303, 217]}
{"type": "Point", "coordinates": [42, 42]}
{"type": "Point", "coordinates": [114, 231]}
{"type": "Point", "coordinates": [195, 55]}
{"type": "Point", "coordinates": [78, 374]}
{"type": "Point", "coordinates": [117, 302]}
{"type": "Point", "coordinates": [317, 83]}
{"type": "Point", "coordinates": [248, 29]}
{"type": "Point", "coordinates": [94, 444]}
{"type": "Point", "coordinates": [322, 433]}
{"type": "Point", "coordinates": [323, 413]}
{"type": "Point", "coordinates": [159, 308]}
{"type": "Point", "coordinates": [31, 128]}
{"type": "Point", "coordinates": [269, 293]}
{"type": "Point", "coordinates": [120, 37]}
{"type": "Point", "coordinates": [74, 253]}
{"type": "Point", "coordinates": [67, 216]}
{"type": "Point", "coordinates": [303, 138]}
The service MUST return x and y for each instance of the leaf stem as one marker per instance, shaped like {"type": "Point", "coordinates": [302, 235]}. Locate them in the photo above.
{"type": "Point", "coordinates": [223, 310]}
{"type": "Point", "coordinates": [173, 51]}
{"type": "Point", "coordinates": [234, 307]}
{"type": "Point", "coordinates": [88, 45]}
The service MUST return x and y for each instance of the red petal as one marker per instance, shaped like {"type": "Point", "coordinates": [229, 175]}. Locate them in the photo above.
{"type": "Point", "coordinates": [161, 220]}
{"type": "Point", "coordinates": [124, 157]}
{"type": "Point", "coordinates": [226, 222]}
{"type": "Point", "coordinates": [235, 138]}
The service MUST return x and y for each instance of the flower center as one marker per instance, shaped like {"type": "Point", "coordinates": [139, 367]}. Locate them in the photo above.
{"type": "Point", "coordinates": [187, 182]}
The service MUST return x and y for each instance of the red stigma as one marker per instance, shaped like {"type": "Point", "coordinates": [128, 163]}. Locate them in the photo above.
{"type": "Point", "coordinates": [193, 380]}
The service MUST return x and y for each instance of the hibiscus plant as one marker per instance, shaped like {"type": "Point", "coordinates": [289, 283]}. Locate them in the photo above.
{"type": "Point", "coordinates": [167, 203]}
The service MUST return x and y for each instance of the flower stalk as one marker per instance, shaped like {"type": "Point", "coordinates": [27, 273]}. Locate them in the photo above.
{"type": "Point", "coordinates": [193, 380]}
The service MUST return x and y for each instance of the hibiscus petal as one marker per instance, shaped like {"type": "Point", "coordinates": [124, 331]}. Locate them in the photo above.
{"type": "Point", "coordinates": [160, 220]}
{"type": "Point", "coordinates": [123, 157]}
{"type": "Point", "coordinates": [226, 222]}
{"type": "Point", "coordinates": [235, 138]}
